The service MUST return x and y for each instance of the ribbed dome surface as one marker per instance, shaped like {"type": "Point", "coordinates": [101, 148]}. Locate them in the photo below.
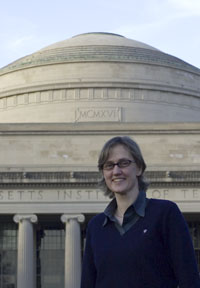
{"type": "Point", "coordinates": [98, 47]}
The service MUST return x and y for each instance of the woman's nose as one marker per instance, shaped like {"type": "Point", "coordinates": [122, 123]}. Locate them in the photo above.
{"type": "Point", "coordinates": [116, 169]}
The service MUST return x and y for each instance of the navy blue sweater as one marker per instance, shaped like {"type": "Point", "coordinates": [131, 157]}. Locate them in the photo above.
{"type": "Point", "coordinates": [156, 252]}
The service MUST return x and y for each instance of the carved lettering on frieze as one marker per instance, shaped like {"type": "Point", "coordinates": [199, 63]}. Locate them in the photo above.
{"type": "Point", "coordinates": [97, 114]}
{"type": "Point", "coordinates": [90, 195]}
{"type": "Point", "coordinates": [51, 196]}
{"type": "Point", "coordinates": [190, 194]}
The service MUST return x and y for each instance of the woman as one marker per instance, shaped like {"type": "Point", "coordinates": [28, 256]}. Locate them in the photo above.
{"type": "Point", "coordinates": [136, 242]}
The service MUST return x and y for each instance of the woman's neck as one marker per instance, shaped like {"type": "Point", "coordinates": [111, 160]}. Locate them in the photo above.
{"type": "Point", "coordinates": [124, 201]}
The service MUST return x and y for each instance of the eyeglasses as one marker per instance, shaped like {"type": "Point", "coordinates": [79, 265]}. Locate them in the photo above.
{"type": "Point", "coordinates": [123, 163]}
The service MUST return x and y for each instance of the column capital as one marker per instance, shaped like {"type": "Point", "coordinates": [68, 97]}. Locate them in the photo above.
{"type": "Point", "coordinates": [20, 217]}
{"type": "Point", "coordinates": [67, 217]}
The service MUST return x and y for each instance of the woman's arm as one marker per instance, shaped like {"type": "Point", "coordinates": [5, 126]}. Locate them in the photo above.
{"type": "Point", "coordinates": [181, 251]}
{"type": "Point", "coordinates": [88, 278]}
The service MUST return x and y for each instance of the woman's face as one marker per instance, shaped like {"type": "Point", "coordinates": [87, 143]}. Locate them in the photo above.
{"type": "Point", "coordinates": [121, 180]}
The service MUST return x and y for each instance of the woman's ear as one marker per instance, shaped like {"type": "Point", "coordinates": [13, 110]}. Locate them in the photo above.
{"type": "Point", "coordinates": [138, 171]}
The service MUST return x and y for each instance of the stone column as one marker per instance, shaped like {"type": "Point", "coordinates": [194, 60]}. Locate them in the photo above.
{"type": "Point", "coordinates": [26, 262]}
{"type": "Point", "coordinates": [72, 249]}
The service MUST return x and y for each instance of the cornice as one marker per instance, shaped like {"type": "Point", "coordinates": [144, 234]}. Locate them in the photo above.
{"type": "Point", "coordinates": [98, 128]}
{"type": "Point", "coordinates": [64, 180]}
{"type": "Point", "coordinates": [104, 83]}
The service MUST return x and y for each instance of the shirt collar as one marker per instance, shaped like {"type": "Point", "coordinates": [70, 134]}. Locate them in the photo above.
{"type": "Point", "coordinates": [138, 206]}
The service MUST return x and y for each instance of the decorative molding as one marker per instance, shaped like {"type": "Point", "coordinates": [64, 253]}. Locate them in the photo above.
{"type": "Point", "coordinates": [143, 94]}
{"type": "Point", "coordinates": [72, 180]}
{"type": "Point", "coordinates": [67, 217]}
{"type": "Point", "coordinates": [88, 128]}
{"type": "Point", "coordinates": [30, 217]}
{"type": "Point", "coordinates": [48, 177]}
{"type": "Point", "coordinates": [62, 176]}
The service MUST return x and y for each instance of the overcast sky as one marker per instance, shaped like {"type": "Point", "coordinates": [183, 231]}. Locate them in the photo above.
{"type": "Point", "coordinates": [173, 26]}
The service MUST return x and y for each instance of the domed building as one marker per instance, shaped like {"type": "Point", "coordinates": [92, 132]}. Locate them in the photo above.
{"type": "Point", "coordinates": [58, 106]}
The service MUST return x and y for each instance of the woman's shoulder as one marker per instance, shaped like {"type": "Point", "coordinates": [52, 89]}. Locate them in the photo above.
{"type": "Point", "coordinates": [97, 220]}
{"type": "Point", "coordinates": [162, 202]}
{"type": "Point", "coordinates": [162, 205]}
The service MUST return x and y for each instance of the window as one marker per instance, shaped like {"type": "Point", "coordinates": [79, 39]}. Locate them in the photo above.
{"type": "Point", "coordinates": [50, 255]}
{"type": "Point", "coordinates": [8, 254]}
{"type": "Point", "coordinates": [194, 227]}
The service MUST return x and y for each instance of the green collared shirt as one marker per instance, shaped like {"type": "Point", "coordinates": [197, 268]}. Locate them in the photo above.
{"type": "Point", "coordinates": [131, 216]}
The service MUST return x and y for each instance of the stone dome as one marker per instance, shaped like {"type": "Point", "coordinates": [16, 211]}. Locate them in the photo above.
{"type": "Point", "coordinates": [99, 77]}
